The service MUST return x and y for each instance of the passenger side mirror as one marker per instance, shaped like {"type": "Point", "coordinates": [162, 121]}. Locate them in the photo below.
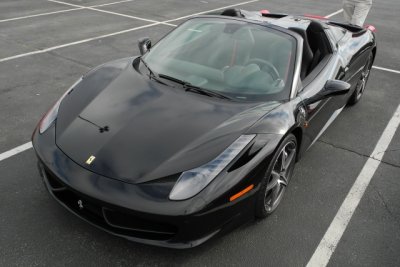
{"type": "Point", "coordinates": [144, 45]}
{"type": "Point", "coordinates": [331, 88]}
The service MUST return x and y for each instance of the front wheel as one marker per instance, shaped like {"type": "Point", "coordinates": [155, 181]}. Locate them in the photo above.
{"type": "Point", "coordinates": [362, 82]}
{"type": "Point", "coordinates": [277, 177]}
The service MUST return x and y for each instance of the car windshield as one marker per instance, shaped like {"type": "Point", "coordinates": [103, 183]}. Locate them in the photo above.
{"type": "Point", "coordinates": [238, 59]}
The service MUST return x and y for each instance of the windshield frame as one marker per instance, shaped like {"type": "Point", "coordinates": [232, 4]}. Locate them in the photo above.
{"type": "Point", "coordinates": [296, 57]}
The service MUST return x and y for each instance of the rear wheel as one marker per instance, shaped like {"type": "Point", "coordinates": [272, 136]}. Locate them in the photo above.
{"type": "Point", "coordinates": [362, 82]}
{"type": "Point", "coordinates": [277, 177]}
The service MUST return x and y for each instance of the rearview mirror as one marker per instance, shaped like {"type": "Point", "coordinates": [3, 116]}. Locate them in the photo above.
{"type": "Point", "coordinates": [144, 45]}
{"type": "Point", "coordinates": [331, 88]}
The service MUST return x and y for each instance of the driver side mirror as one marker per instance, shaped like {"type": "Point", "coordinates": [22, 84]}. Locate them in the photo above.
{"type": "Point", "coordinates": [331, 88]}
{"type": "Point", "coordinates": [335, 87]}
{"type": "Point", "coordinates": [144, 45]}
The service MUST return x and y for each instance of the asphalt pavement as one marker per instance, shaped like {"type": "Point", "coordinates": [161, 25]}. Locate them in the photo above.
{"type": "Point", "coordinates": [46, 45]}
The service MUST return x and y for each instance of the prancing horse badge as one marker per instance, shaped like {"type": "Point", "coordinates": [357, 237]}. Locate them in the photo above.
{"type": "Point", "coordinates": [90, 160]}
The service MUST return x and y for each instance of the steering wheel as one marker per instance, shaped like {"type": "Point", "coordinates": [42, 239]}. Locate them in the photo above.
{"type": "Point", "coordinates": [271, 68]}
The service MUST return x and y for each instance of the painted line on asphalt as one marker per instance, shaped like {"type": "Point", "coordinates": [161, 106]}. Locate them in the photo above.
{"type": "Point", "coordinates": [339, 224]}
{"type": "Point", "coordinates": [62, 11]}
{"type": "Point", "coordinates": [112, 3]}
{"type": "Point", "coordinates": [15, 151]}
{"type": "Point", "coordinates": [41, 14]}
{"type": "Point", "coordinates": [334, 13]}
{"type": "Point", "coordinates": [211, 10]}
{"type": "Point", "coordinates": [41, 51]}
{"type": "Point", "coordinates": [386, 69]}
{"type": "Point", "coordinates": [109, 12]}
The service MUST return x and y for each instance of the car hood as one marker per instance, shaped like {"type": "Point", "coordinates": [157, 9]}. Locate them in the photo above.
{"type": "Point", "coordinates": [138, 130]}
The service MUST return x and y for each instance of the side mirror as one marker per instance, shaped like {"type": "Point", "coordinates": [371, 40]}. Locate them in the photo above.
{"type": "Point", "coordinates": [144, 45]}
{"type": "Point", "coordinates": [335, 87]}
{"type": "Point", "coordinates": [331, 88]}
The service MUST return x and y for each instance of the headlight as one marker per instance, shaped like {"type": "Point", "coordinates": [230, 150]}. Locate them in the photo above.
{"type": "Point", "coordinates": [193, 181]}
{"type": "Point", "coordinates": [51, 114]}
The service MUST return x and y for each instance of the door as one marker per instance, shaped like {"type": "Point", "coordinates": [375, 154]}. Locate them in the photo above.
{"type": "Point", "coordinates": [320, 114]}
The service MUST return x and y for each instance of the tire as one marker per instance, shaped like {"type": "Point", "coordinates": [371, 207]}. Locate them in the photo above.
{"type": "Point", "coordinates": [362, 82]}
{"type": "Point", "coordinates": [277, 177]}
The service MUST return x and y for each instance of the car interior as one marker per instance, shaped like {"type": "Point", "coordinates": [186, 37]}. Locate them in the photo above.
{"type": "Point", "coordinates": [315, 46]}
{"type": "Point", "coordinates": [235, 57]}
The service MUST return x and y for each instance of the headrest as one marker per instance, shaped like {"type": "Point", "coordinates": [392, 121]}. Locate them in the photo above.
{"type": "Point", "coordinates": [232, 12]}
{"type": "Point", "coordinates": [315, 27]}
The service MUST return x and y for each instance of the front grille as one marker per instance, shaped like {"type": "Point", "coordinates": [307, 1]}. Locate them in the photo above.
{"type": "Point", "coordinates": [126, 221]}
{"type": "Point", "coordinates": [106, 216]}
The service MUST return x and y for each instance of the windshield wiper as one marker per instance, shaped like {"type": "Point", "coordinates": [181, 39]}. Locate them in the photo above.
{"type": "Point", "coordinates": [164, 76]}
{"type": "Point", "coordinates": [204, 91]}
{"type": "Point", "coordinates": [151, 74]}
{"type": "Point", "coordinates": [193, 88]}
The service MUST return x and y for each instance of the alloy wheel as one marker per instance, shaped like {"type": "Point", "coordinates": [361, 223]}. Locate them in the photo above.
{"type": "Point", "coordinates": [280, 176]}
{"type": "Point", "coordinates": [364, 78]}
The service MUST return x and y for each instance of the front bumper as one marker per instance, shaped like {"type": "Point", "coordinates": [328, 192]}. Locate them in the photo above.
{"type": "Point", "coordinates": [128, 210]}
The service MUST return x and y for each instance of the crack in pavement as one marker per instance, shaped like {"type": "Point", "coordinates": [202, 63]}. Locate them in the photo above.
{"type": "Point", "coordinates": [358, 153]}
{"type": "Point", "coordinates": [385, 204]}
{"type": "Point", "coordinates": [388, 150]}
{"type": "Point", "coordinates": [70, 59]}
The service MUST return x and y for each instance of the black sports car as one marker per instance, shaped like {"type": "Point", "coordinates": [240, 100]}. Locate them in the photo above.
{"type": "Point", "coordinates": [202, 131]}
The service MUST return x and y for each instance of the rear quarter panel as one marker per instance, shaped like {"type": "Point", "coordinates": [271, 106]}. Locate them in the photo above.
{"type": "Point", "coordinates": [354, 49]}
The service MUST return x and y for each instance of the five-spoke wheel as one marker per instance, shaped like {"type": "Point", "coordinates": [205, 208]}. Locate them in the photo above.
{"type": "Point", "coordinates": [277, 177]}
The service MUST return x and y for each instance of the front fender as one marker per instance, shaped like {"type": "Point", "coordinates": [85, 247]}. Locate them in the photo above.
{"type": "Point", "coordinates": [287, 118]}
{"type": "Point", "coordinates": [254, 161]}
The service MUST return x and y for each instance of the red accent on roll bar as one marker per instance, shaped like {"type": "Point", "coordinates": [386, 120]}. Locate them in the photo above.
{"type": "Point", "coordinates": [370, 27]}
{"type": "Point", "coordinates": [312, 16]}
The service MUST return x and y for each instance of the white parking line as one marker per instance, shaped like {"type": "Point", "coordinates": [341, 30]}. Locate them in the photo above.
{"type": "Point", "coordinates": [334, 13]}
{"type": "Point", "coordinates": [75, 43]}
{"type": "Point", "coordinates": [15, 151]}
{"type": "Point", "coordinates": [112, 3]}
{"type": "Point", "coordinates": [211, 10]}
{"type": "Point", "coordinates": [41, 14]}
{"type": "Point", "coordinates": [109, 12]}
{"type": "Point", "coordinates": [62, 11]}
{"type": "Point", "coordinates": [339, 224]}
{"type": "Point", "coordinates": [386, 69]}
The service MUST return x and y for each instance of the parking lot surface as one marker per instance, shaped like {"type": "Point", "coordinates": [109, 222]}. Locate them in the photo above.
{"type": "Point", "coordinates": [46, 45]}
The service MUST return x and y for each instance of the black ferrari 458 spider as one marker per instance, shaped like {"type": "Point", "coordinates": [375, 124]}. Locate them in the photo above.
{"type": "Point", "coordinates": [202, 131]}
